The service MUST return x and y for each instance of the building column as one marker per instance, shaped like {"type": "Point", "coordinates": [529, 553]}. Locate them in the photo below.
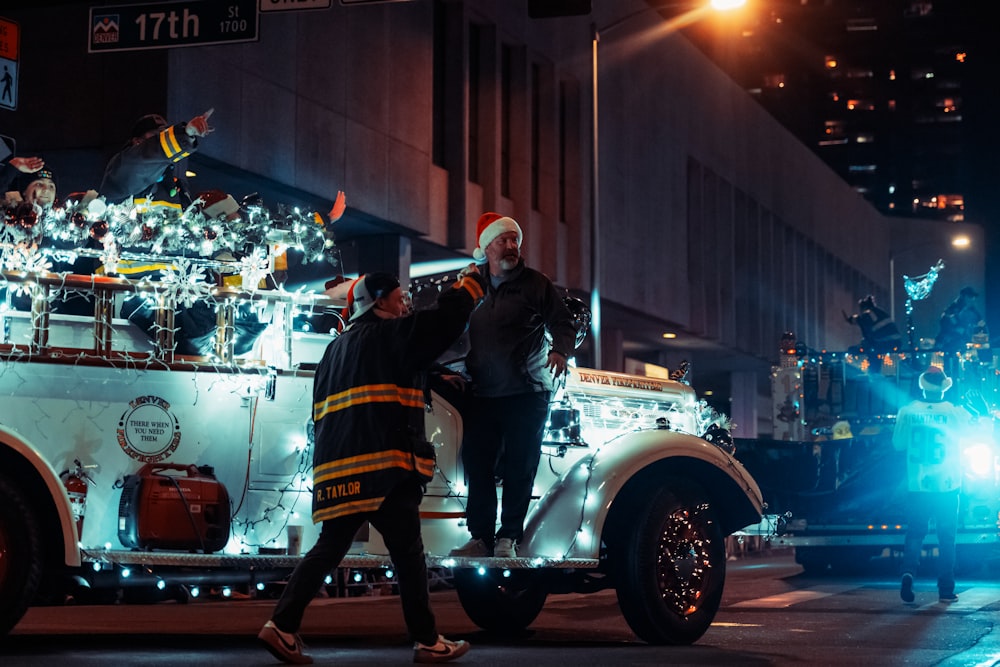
{"type": "Point", "coordinates": [390, 253]}
{"type": "Point", "coordinates": [743, 404]}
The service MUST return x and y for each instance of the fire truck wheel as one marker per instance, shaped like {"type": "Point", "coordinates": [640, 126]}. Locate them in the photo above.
{"type": "Point", "coordinates": [20, 555]}
{"type": "Point", "coordinates": [670, 565]}
{"type": "Point", "coordinates": [501, 603]}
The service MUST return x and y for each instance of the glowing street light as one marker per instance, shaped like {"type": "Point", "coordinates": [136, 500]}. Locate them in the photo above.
{"type": "Point", "coordinates": [668, 28]}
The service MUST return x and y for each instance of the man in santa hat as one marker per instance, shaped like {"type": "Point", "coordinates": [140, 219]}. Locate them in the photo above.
{"type": "Point", "coordinates": [520, 339]}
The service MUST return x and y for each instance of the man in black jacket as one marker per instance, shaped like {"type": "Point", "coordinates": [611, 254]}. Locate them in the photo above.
{"type": "Point", "coordinates": [513, 368]}
{"type": "Point", "coordinates": [370, 459]}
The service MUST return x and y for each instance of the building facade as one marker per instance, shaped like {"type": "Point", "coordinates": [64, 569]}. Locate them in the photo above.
{"type": "Point", "coordinates": [716, 223]}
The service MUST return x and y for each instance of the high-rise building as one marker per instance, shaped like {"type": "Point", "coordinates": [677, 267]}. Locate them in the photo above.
{"type": "Point", "coordinates": [876, 88]}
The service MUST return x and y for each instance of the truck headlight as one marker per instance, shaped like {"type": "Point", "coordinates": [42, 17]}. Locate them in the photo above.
{"type": "Point", "coordinates": [979, 460]}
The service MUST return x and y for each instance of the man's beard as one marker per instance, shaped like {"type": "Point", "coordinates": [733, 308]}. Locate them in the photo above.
{"type": "Point", "coordinates": [509, 262]}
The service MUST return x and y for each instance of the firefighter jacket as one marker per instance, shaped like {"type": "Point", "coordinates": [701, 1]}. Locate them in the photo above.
{"type": "Point", "coordinates": [509, 348]}
{"type": "Point", "coordinates": [148, 170]}
{"type": "Point", "coordinates": [369, 402]}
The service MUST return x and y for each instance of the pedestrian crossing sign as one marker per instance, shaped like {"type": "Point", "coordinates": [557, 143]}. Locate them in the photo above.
{"type": "Point", "coordinates": [10, 39]}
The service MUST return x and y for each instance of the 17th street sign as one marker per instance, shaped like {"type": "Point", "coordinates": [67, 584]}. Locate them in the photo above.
{"type": "Point", "coordinates": [164, 25]}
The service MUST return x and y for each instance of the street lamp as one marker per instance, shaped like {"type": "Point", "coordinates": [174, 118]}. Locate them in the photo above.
{"type": "Point", "coordinates": [668, 27]}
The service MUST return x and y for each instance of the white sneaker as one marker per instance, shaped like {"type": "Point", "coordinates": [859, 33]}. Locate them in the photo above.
{"type": "Point", "coordinates": [284, 646]}
{"type": "Point", "coordinates": [471, 549]}
{"type": "Point", "coordinates": [443, 651]}
{"type": "Point", "coordinates": [505, 548]}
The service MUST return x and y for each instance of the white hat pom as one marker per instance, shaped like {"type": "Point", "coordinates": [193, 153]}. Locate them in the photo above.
{"type": "Point", "coordinates": [478, 255]}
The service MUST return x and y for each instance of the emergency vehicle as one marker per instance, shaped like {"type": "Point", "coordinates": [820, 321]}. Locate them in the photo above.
{"type": "Point", "coordinates": [835, 487]}
{"type": "Point", "coordinates": [127, 467]}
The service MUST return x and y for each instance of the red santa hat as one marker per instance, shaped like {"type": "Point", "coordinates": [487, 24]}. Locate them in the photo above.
{"type": "Point", "coordinates": [490, 226]}
{"type": "Point", "coordinates": [934, 380]}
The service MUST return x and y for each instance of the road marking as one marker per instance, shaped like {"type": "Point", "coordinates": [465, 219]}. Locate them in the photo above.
{"type": "Point", "coordinates": [794, 597]}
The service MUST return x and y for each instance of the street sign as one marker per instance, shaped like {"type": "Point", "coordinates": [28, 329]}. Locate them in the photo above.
{"type": "Point", "coordinates": [10, 45]}
{"type": "Point", "coordinates": [164, 25]}
{"type": "Point", "coordinates": [293, 5]}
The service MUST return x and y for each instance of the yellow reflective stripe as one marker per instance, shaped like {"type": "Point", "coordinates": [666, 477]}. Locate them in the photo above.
{"type": "Point", "coordinates": [137, 267]}
{"type": "Point", "coordinates": [181, 156]}
{"type": "Point", "coordinates": [344, 509]}
{"type": "Point", "coordinates": [168, 141]}
{"type": "Point", "coordinates": [142, 205]}
{"type": "Point", "coordinates": [369, 393]}
{"type": "Point", "coordinates": [424, 466]}
{"type": "Point", "coordinates": [470, 286]}
{"type": "Point", "coordinates": [357, 465]}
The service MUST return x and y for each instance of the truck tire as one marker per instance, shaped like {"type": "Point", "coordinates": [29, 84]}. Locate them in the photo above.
{"type": "Point", "coordinates": [498, 603]}
{"type": "Point", "coordinates": [670, 565]}
{"type": "Point", "coordinates": [20, 555]}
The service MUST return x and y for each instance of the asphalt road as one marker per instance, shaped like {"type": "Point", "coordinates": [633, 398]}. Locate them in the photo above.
{"type": "Point", "coordinates": [772, 614]}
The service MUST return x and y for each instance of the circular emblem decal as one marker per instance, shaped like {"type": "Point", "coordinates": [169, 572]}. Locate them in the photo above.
{"type": "Point", "coordinates": [148, 431]}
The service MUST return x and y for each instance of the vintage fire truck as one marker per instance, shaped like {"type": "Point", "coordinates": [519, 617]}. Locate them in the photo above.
{"type": "Point", "coordinates": [126, 466]}
{"type": "Point", "coordinates": [829, 473]}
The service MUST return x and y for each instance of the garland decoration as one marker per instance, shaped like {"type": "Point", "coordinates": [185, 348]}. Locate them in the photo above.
{"type": "Point", "coordinates": [32, 237]}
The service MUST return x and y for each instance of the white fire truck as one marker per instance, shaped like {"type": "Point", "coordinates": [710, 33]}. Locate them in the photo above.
{"type": "Point", "coordinates": [829, 473]}
{"type": "Point", "coordinates": [125, 466]}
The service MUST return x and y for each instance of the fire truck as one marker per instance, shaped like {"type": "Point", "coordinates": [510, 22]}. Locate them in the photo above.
{"type": "Point", "coordinates": [832, 481]}
{"type": "Point", "coordinates": [126, 466]}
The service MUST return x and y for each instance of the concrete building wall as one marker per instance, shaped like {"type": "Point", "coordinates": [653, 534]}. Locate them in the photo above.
{"type": "Point", "coordinates": [342, 99]}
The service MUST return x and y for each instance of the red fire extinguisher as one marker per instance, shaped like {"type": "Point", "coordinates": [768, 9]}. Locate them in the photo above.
{"type": "Point", "coordinates": [76, 481]}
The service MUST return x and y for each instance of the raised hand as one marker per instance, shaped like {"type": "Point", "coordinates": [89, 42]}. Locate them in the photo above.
{"type": "Point", "coordinates": [27, 165]}
{"type": "Point", "coordinates": [198, 126]}
{"type": "Point", "coordinates": [339, 206]}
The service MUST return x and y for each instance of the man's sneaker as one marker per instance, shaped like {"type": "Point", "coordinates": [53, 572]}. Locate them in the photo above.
{"type": "Point", "coordinates": [947, 598]}
{"type": "Point", "coordinates": [443, 651]}
{"type": "Point", "coordinates": [284, 646]}
{"type": "Point", "coordinates": [471, 549]}
{"type": "Point", "coordinates": [906, 587]}
{"type": "Point", "coordinates": [505, 548]}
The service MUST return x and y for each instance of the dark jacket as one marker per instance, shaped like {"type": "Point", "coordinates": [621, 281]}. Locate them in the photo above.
{"type": "Point", "coordinates": [369, 402]}
{"type": "Point", "coordinates": [507, 335]}
{"type": "Point", "coordinates": [149, 169]}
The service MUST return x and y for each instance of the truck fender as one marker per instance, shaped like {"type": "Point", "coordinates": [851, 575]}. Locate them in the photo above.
{"type": "Point", "coordinates": [568, 520]}
{"type": "Point", "coordinates": [53, 487]}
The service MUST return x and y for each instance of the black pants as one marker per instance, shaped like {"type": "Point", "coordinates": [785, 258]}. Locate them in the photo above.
{"type": "Point", "coordinates": [398, 521]}
{"type": "Point", "coordinates": [943, 508]}
{"type": "Point", "coordinates": [503, 438]}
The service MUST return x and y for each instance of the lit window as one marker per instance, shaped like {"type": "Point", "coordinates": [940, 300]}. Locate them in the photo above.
{"type": "Point", "coordinates": [861, 25]}
{"type": "Point", "coordinates": [862, 168]}
{"type": "Point", "coordinates": [892, 75]}
{"type": "Point", "coordinates": [892, 188]}
{"type": "Point", "coordinates": [774, 80]}
{"type": "Point", "coordinates": [830, 62]}
{"type": "Point", "coordinates": [961, 56]}
{"type": "Point", "coordinates": [865, 138]}
{"type": "Point", "coordinates": [860, 105]}
{"type": "Point", "coordinates": [860, 73]}
{"type": "Point", "coordinates": [833, 128]}
{"type": "Point", "coordinates": [892, 105]}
